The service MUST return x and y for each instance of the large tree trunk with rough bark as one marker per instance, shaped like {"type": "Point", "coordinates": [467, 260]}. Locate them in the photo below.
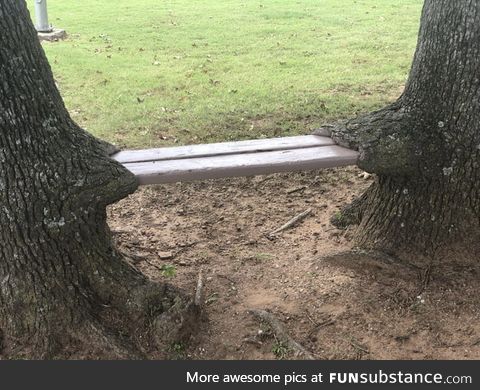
{"type": "Point", "coordinates": [63, 285]}
{"type": "Point", "coordinates": [424, 148]}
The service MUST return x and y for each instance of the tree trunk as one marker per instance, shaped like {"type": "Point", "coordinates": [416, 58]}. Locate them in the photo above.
{"type": "Point", "coordinates": [64, 288]}
{"type": "Point", "coordinates": [425, 148]}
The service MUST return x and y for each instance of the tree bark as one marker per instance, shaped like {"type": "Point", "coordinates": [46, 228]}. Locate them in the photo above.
{"type": "Point", "coordinates": [64, 288]}
{"type": "Point", "coordinates": [425, 147]}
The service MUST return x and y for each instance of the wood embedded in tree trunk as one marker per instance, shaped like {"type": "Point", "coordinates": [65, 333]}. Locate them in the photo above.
{"type": "Point", "coordinates": [63, 285]}
{"type": "Point", "coordinates": [425, 148]}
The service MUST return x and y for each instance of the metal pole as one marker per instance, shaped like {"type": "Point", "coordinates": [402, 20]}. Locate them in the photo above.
{"type": "Point", "coordinates": [42, 16]}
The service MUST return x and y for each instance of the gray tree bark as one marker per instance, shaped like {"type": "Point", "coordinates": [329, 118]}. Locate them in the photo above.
{"type": "Point", "coordinates": [64, 288]}
{"type": "Point", "coordinates": [425, 147]}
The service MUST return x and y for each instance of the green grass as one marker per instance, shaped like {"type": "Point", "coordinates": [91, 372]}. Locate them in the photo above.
{"type": "Point", "coordinates": [156, 72]}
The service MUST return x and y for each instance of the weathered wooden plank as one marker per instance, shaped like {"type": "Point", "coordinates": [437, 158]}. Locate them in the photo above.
{"type": "Point", "coordinates": [245, 164]}
{"type": "Point", "coordinates": [224, 148]}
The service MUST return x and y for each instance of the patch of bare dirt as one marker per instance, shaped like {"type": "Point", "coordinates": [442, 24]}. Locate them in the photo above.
{"type": "Point", "coordinates": [336, 306]}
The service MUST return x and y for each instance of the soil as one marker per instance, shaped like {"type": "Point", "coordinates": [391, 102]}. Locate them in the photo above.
{"type": "Point", "coordinates": [337, 305]}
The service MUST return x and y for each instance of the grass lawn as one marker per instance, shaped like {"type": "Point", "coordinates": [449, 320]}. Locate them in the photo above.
{"type": "Point", "coordinates": [157, 72]}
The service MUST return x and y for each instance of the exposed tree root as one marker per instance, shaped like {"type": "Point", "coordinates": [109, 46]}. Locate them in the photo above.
{"type": "Point", "coordinates": [110, 344]}
{"type": "Point", "coordinates": [163, 316]}
{"type": "Point", "coordinates": [280, 332]}
{"type": "Point", "coordinates": [144, 323]}
{"type": "Point", "coordinates": [178, 323]}
{"type": "Point", "coordinates": [350, 214]}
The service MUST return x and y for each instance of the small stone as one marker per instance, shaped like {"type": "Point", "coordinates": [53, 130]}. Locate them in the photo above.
{"type": "Point", "coordinates": [165, 255]}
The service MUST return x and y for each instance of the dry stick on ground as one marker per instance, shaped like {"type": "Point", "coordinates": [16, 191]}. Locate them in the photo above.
{"type": "Point", "coordinates": [298, 218]}
{"type": "Point", "coordinates": [199, 291]}
{"type": "Point", "coordinates": [358, 346]}
{"type": "Point", "coordinates": [297, 189]}
{"type": "Point", "coordinates": [280, 332]}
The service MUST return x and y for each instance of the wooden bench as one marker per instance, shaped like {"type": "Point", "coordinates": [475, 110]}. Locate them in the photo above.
{"type": "Point", "coordinates": [229, 159]}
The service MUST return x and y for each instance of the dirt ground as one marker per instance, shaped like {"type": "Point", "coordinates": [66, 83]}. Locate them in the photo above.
{"type": "Point", "coordinates": [337, 307]}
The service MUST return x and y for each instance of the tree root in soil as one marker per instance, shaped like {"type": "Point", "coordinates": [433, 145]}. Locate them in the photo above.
{"type": "Point", "coordinates": [281, 333]}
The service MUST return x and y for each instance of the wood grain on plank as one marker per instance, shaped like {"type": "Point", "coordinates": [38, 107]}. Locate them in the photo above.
{"type": "Point", "coordinates": [224, 148]}
{"type": "Point", "coordinates": [244, 164]}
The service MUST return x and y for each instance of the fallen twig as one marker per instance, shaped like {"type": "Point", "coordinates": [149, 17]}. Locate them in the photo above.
{"type": "Point", "coordinates": [269, 177]}
{"type": "Point", "coordinates": [358, 346]}
{"type": "Point", "coordinates": [320, 325]}
{"type": "Point", "coordinates": [135, 256]}
{"type": "Point", "coordinates": [298, 189]}
{"type": "Point", "coordinates": [280, 332]}
{"type": "Point", "coordinates": [311, 319]}
{"type": "Point", "coordinates": [298, 218]}
{"type": "Point", "coordinates": [199, 290]}
{"type": "Point", "coordinates": [252, 340]}
{"type": "Point", "coordinates": [153, 265]}
{"type": "Point", "coordinates": [227, 278]}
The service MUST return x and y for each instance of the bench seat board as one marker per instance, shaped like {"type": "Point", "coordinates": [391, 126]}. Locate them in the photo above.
{"type": "Point", "coordinates": [241, 164]}
{"type": "Point", "coordinates": [224, 148]}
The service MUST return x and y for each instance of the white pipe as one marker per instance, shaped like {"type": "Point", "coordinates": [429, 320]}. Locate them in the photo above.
{"type": "Point", "coordinates": [41, 16]}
